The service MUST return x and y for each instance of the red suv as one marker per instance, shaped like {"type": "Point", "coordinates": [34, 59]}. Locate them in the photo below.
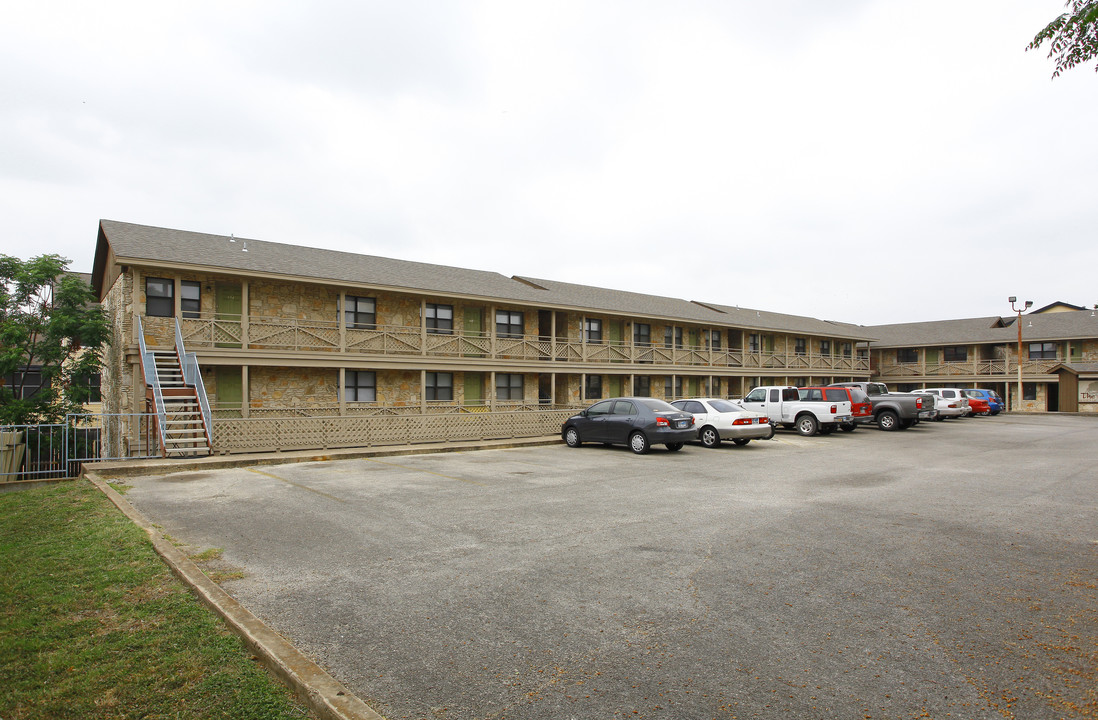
{"type": "Point", "coordinates": [860, 406]}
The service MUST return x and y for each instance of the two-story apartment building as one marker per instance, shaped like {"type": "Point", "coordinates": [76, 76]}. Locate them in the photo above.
{"type": "Point", "coordinates": [281, 328]}
{"type": "Point", "coordinates": [1057, 342]}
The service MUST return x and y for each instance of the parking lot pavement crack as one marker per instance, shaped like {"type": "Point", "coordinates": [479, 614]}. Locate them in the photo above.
{"type": "Point", "coordinates": [297, 485]}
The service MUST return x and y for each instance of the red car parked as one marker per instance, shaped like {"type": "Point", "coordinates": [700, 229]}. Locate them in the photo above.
{"type": "Point", "coordinates": [860, 406]}
{"type": "Point", "coordinates": [977, 405]}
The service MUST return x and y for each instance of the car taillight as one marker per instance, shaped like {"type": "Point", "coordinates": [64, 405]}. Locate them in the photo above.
{"type": "Point", "coordinates": [834, 409]}
{"type": "Point", "coordinates": [919, 403]}
{"type": "Point", "coordinates": [743, 421]}
{"type": "Point", "coordinates": [662, 422]}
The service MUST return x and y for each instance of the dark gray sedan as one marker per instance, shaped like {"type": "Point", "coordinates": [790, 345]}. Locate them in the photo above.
{"type": "Point", "coordinates": [639, 422]}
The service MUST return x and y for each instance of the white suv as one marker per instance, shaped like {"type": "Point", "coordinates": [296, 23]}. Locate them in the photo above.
{"type": "Point", "coordinates": [952, 402]}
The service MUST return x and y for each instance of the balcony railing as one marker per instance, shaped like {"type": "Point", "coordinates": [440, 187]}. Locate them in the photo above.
{"type": "Point", "coordinates": [1007, 367]}
{"type": "Point", "coordinates": [289, 334]}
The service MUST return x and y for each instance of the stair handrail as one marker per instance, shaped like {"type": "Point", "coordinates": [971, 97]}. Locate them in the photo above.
{"type": "Point", "coordinates": [152, 379]}
{"type": "Point", "coordinates": [192, 375]}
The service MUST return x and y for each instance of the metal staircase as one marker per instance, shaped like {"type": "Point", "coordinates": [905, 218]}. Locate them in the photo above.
{"type": "Point", "coordinates": [174, 390]}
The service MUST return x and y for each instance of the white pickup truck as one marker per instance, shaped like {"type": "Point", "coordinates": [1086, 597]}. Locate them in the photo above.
{"type": "Point", "coordinates": [783, 405]}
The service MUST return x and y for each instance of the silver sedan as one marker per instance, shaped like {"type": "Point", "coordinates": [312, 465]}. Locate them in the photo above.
{"type": "Point", "coordinates": [718, 419]}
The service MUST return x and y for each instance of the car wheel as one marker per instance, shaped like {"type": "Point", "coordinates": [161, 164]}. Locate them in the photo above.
{"type": "Point", "coordinates": [674, 447]}
{"type": "Point", "coordinates": [807, 425]}
{"type": "Point", "coordinates": [710, 437]}
{"type": "Point", "coordinates": [888, 420]}
{"type": "Point", "coordinates": [741, 441]}
{"type": "Point", "coordinates": [848, 427]}
{"type": "Point", "coordinates": [772, 431]}
{"type": "Point", "coordinates": [572, 437]}
{"type": "Point", "coordinates": [638, 443]}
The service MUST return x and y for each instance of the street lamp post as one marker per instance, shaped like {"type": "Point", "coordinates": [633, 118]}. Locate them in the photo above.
{"type": "Point", "coordinates": [1019, 310]}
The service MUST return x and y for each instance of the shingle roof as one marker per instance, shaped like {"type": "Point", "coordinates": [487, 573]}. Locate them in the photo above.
{"type": "Point", "coordinates": [159, 246]}
{"type": "Point", "coordinates": [1043, 327]}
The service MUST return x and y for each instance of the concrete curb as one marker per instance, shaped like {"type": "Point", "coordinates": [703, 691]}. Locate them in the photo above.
{"type": "Point", "coordinates": [322, 693]}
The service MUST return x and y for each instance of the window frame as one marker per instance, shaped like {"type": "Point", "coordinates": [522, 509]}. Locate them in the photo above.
{"type": "Point", "coordinates": [190, 307]}
{"type": "Point", "coordinates": [356, 319]}
{"type": "Point", "coordinates": [907, 356]}
{"type": "Point", "coordinates": [507, 328]}
{"type": "Point", "coordinates": [592, 331]}
{"type": "Point", "coordinates": [434, 390]}
{"type": "Point", "coordinates": [353, 384]}
{"type": "Point", "coordinates": [506, 390]}
{"type": "Point", "coordinates": [642, 334]}
{"type": "Point", "coordinates": [955, 353]}
{"type": "Point", "coordinates": [435, 324]}
{"type": "Point", "coordinates": [592, 384]}
{"type": "Point", "coordinates": [1046, 351]}
{"type": "Point", "coordinates": [169, 298]}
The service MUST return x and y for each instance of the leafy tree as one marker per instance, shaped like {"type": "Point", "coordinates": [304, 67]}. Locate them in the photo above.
{"type": "Point", "coordinates": [1072, 37]}
{"type": "Point", "coordinates": [48, 319]}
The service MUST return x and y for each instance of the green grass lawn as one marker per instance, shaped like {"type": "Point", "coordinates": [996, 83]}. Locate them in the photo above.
{"type": "Point", "coordinates": [94, 625]}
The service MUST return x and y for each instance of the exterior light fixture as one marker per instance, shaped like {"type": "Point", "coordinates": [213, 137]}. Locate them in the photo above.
{"type": "Point", "coordinates": [1029, 303]}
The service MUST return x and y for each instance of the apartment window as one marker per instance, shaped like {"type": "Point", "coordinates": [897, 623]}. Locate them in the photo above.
{"type": "Point", "coordinates": [91, 385]}
{"type": "Point", "coordinates": [672, 390]}
{"type": "Point", "coordinates": [592, 328]}
{"type": "Point", "coordinates": [800, 346]}
{"type": "Point", "coordinates": [24, 384]}
{"type": "Point", "coordinates": [642, 334]}
{"type": "Point", "coordinates": [825, 348]}
{"type": "Point", "coordinates": [440, 386]}
{"type": "Point", "coordinates": [1042, 351]}
{"type": "Point", "coordinates": [847, 349]}
{"type": "Point", "coordinates": [440, 319]}
{"type": "Point", "coordinates": [753, 342]}
{"type": "Point", "coordinates": [361, 386]}
{"type": "Point", "coordinates": [907, 355]}
{"type": "Point", "coordinates": [159, 297]}
{"type": "Point", "coordinates": [714, 339]}
{"type": "Point", "coordinates": [190, 299]}
{"type": "Point", "coordinates": [672, 337]}
{"type": "Point", "coordinates": [592, 387]}
{"type": "Point", "coordinates": [955, 353]}
{"type": "Point", "coordinates": [642, 386]}
{"type": "Point", "coordinates": [509, 324]}
{"type": "Point", "coordinates": [508, 386]}
{"type": "Point", "coordinates": [360, 313]}
{"type": "Point", "coordinates": [1029, 391]}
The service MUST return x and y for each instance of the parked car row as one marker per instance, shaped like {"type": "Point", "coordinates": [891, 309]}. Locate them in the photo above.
{"type": "Point", "coordinates": [640, 422]}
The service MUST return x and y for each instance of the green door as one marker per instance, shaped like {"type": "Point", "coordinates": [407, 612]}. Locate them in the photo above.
{"type": "Point", "coordinates": [616, 335]}
{"type": "Point", "coordinates": [615, 385]}
{"type": "Point", "coordinates": [230, 389]}
{"type": "Point", "coordinates": [474, 329]}
{"type": "Point", "coordinates": [227, 322]}
{"type": "Point", "coordinates": [931, 356]}
{"type": "Point", "coordinates": [474, 388]}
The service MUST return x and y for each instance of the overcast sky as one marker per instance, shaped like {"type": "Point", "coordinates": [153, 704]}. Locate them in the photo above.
{"type": "Point", "coordinates": [870, 161]}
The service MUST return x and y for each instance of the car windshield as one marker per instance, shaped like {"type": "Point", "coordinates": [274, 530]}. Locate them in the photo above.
{"type": "Point", "coordinates": [724, 406]}
{"type": "Point", "coordinates": [876, 389]}
{"type": "Point", "coordinates": [658, 405]}
{"type": "Point", "coordinates": [858, 396]}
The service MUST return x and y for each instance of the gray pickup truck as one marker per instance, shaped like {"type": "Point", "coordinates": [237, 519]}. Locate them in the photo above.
{"type": "Point", "coordinates": [893, 411]}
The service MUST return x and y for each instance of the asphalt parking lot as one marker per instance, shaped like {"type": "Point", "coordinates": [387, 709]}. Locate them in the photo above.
{"type": "Point", "coordinates": [947, 571]}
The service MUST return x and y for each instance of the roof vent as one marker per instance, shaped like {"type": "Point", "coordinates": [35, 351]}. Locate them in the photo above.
{"type": "Point", "coordinates": [245, 248]}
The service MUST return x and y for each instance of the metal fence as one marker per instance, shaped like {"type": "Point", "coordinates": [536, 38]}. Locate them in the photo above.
{"type": "Point", "coordinates": [59, 450]}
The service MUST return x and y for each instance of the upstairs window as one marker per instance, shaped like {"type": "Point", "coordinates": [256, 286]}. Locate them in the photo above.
{"type": "Point", "coordinates": [800, 346]}
{"type": "Point", "coordinates": [955, 353]}
{"type": "Point", "coordinates": [159, 297]}
{"type": "Point", "coordinates": [672, 337]}
{"type": "Point", "coordinates": [592, 328]}
{"type": "Point", "coordinates": [847, 348]}
{"type": "Point", "coordinates": [190, 299]}
{"type": "Point", "coordinates": [907, 355]}
{"type": "Point", "coordinates": [1042, 351]}
{"type": "Point", "coordinates": [714, 339]}
{"type": "Point", "coordinates": [360, 313]}
{"type": "Point", "coordinates": [439, 318]}
{"type": "Point", "coordinates": [642, 334]}
{"type": "Point", "coordinates": [753, 343]}
{"type": "Point", "coordinates": [509, 324]}
{"type": "Point", "coordinates": [825, 348]}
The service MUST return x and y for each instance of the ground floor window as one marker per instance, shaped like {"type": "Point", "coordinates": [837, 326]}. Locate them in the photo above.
{"type": "Point", "coordinates": [672, 387]}
{"type": "Point", "coordinates": [509, 386]}
{"type": "Point", "coordinates": [592, 388]}
{"type": "Point", "coordinates": [642, 386]}
{"type": "Point", "coordinates": [1029, 391]}
{"type": "Point", "coordinates": [361, 386]}
{"type": "Point", "coordinates": [440, 386]}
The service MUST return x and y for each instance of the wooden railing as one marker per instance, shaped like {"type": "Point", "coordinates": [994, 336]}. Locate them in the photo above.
{"type": "Point", "coordinates": [235, 435]}
{"type": "Point", "coordinates": [982, 368]}
{"type": "Point", "coordinates": [268, 333]}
